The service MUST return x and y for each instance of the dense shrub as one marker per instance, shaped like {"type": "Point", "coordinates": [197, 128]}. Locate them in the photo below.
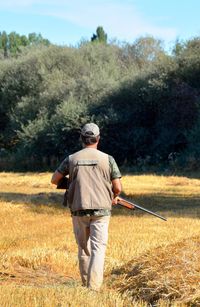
{"type": "Point", "coordinates": [145, 101]}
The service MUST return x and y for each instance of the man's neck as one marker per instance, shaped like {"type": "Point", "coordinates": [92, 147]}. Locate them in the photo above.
{"type": "Point", "coordinates": [91, 146]}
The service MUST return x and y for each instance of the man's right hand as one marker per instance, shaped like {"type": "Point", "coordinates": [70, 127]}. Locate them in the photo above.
{"type": "Point", "coordinates": [117, 188]}
{"type": "Point", "coordinates": [115, 200]}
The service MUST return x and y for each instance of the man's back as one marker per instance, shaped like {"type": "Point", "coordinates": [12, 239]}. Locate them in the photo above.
{"type": "Point", "coordinates": [90, 178]}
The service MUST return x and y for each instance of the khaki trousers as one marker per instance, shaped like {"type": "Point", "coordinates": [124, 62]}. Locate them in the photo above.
{"type": "Point", "coordinates": [91, 233]}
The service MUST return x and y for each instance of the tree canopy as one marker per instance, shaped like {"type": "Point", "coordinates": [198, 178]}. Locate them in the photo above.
{"type": "Point", "coordinates": [12, 43]}
{"type": "Point", "coordinates": [145, 101]}
{"type": "Point", "coordinates": [100, 36]}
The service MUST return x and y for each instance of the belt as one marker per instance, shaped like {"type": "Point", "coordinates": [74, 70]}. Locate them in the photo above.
{"type": "Point", "coordinates": [91, 212]}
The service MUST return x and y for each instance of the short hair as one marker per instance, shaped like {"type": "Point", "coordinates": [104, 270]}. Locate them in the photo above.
{"type": "Point", "coordinates": [89, 139]}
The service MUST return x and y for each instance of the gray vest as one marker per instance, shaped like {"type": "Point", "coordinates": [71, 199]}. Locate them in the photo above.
{"type": "Point", "coordinates": [90, 182]}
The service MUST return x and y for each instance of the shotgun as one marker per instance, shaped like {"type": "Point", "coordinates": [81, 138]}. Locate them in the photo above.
{"type": "Point", "coordinates": [125, 203]}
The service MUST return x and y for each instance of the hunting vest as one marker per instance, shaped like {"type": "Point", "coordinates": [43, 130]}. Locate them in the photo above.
{"type": "Point", "coordinates": [90, 183]}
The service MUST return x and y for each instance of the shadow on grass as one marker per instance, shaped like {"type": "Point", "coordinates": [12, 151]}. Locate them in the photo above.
{"type": "Point", "coordinates": [170, 205]}
{"type": "Point", "coordinates": [36, 201]}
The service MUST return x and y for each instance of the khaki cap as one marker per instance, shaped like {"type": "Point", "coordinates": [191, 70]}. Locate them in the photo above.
{"type": "Point", "coordinates": [90, 129]}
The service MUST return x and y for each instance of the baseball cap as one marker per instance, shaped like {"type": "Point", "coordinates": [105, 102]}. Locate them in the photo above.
{"type": "Point", "coordinates": [90, 129]}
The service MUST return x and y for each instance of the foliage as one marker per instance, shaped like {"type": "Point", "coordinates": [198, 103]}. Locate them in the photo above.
{"type": "Point", "coordinates": [100, 36]}
{"type": "Point", "coordinates": [11, 44]}
{"type": "Point", "coordinates": [145, 100]}
{"type": "Point", "coordinates": [146, 50]}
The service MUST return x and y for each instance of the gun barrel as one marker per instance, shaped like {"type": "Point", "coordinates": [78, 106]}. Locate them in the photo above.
{"type": "Point", "coordinates": [131, 205]}
{"type": "Point", "coordinates": [150, 212]}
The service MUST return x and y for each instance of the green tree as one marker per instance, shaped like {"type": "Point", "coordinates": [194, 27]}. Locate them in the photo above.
{"type": "Point", "coordinates": [147, 50]}
{"type": "Point", "coordinates": [11, 44]}
{"type": "Point", "coordinates": [4, 43]}
{"type": "Point", "coordinates": [24, 40]}
{"type": "Point", "coordinates": [100, 36]}
{"type": "Point", "coordinates": [178, 48]}
{"type": "Point", "coordinates": [14, 42]}
{"type": "Point", "coordinates": [189, 62]}
{"type": "Point", "coordinates": [36, 39]}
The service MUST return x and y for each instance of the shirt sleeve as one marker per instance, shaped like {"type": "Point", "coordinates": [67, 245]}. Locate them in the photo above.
{"type": "Point", "coordinates": [115, 172]}
{"type": "Point", "coordinates": [63, 168]}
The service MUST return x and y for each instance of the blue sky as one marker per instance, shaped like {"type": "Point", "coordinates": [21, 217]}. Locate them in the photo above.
{"type": "Point", "coordinates": [66, 22]}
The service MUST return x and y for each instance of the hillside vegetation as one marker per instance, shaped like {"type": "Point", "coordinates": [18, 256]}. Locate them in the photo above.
{"type": "Point", "coordinates": [148, 261]}
{"type": "Point", "coordinates": [145, 100]}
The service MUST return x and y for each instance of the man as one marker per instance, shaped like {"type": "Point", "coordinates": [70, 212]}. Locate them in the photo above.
{"type": "Point", "coordinates": [95, 184]}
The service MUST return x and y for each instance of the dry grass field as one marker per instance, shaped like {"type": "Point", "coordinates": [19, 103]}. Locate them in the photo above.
{"type": "Point", "coordinates": [149, 262]}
